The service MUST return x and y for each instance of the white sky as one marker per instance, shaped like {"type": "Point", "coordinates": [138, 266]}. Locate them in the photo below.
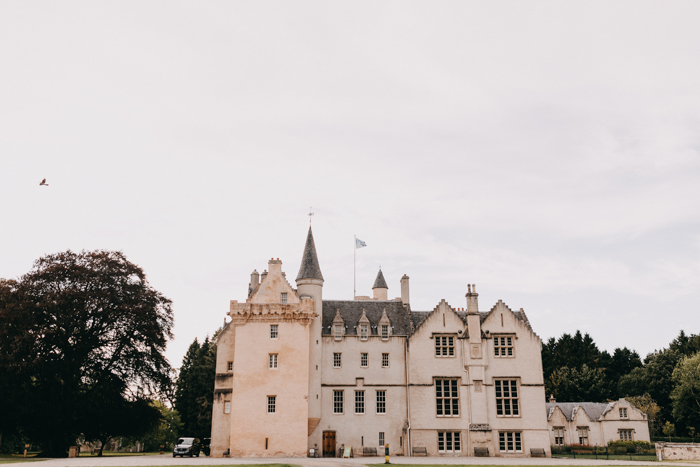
{"type": "Point", "coordinates": [546, 151]}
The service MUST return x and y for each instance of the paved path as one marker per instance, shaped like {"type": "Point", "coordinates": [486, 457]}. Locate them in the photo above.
{"type": "Point", "coordinates": [167, 459]}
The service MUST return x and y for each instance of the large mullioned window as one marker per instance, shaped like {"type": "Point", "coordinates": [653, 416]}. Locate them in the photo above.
{"type": "Point", "coordinates": [444, 346]}
{"type": "Point", "coordinates": [381, 401]}
{"type": "Point", "coordinates": [503, 346]}
{"type": "Point", "coordinates": [337, 401]}
{"type": "Point", "coordinates": [510, 441]}
{"type": "Point", "coordinates": [449, 441]}
{"type": "Point", "coordinates": [447, 397]}
{"type": "Point", "coordinates": [507, 398]}
{"type": "Point", "coordinates": [359, 402]}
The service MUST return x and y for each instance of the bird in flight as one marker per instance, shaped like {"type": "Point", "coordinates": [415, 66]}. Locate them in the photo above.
{"type": "Point", "coordinates": [43, 183]}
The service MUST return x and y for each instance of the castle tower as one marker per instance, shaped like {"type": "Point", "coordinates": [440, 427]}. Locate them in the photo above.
{"type": "Point", "coordinates": [380, 290]}
{"type": "Point", "coordinates": [310, 284]}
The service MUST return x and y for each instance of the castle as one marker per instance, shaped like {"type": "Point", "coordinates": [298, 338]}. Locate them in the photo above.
{"type": "Point", "coordinates": [295, 372]}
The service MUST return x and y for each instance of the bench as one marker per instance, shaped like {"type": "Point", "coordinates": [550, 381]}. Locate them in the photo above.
{"type": "Point", "coordinates": [537, 452]}
{"type": "Point", "coordinates": [369, 452]}
{"type": "Point", "coordinates": [422, 450]}
{"type": "Point", "coordinates": [481, 452]}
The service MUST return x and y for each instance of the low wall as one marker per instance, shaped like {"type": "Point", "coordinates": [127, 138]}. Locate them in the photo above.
{"type": "Point", "coordinates": [677, 451]}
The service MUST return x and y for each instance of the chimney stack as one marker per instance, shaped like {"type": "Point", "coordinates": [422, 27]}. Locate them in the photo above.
{"type": "Point", "coordinates": [552, 400]}
{"type": "Point", "coordinates": [472, 300]}
{"type": "Point", "coordinates": [254, 281]}
{"type": "Point", "coordinates": [404, 290]}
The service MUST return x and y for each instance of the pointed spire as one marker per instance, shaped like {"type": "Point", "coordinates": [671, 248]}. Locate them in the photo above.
{"type": "Point", "coordinates": [379, 282]}
{"type": "Point", "coordinates": [309, 268]}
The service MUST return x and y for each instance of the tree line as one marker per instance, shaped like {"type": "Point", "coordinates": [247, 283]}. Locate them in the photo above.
{"type": "Point", "coordinates": [665, 385]}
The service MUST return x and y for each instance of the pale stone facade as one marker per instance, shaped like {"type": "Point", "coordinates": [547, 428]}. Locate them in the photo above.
{"type": "Point", "coordinates": [296, 372]}
{"type": "Point", "coordinates": [595, 424]}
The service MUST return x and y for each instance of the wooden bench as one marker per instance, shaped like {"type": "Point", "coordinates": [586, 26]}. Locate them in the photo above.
{"type": "Point", "coordinates": [537, 452]}
{"type": "Point", "coordinates": [481, 452]}
{"type": "Point", "coordinates": [369, 452]}
{"type": "Point", "coordinates": [422, 450]}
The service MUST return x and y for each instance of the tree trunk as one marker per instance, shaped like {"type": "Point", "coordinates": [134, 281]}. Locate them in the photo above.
{"type": "Point", "coordinates": [102, 446]}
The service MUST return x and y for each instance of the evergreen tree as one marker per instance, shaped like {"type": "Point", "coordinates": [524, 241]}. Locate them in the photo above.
{"type": "Point", "coordinates": [194, 389]}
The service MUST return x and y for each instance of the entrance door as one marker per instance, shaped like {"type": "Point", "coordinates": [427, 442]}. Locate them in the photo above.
{"type": "Point", "coordinates": [329, 444]}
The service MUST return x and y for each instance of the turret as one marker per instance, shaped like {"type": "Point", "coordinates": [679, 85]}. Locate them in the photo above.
{"type": "Point", "coordinates": [254, 281]}
{"type": "Point", "coordinates": [380, 290]}
{"type": "Point", "coordinates": [310, 284]}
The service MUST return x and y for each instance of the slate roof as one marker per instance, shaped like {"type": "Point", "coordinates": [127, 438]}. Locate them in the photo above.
{"type": "Point", "coordinates": [379, 282]}
{"type": "Point", "coordinates": [351, 310]}
{"type": "Point", "coordinates": [309, 268]}
{"type": "Point", "coordinates": [594, 410]}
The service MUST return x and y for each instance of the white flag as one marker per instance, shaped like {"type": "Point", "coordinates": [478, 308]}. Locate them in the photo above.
{"type": "Point", "coordinates": [359, 243]}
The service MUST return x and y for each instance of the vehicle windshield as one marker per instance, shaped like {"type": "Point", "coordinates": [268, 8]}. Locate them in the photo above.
{"type": "Point", "coordinates": [185, 441]}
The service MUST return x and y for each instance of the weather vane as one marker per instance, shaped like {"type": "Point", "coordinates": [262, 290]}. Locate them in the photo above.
{"type": "Point", "coordinates": [310, 214]}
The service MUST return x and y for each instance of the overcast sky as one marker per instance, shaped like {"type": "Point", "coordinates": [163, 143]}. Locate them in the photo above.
{"type": "Point", "coordinates": [546, 151]}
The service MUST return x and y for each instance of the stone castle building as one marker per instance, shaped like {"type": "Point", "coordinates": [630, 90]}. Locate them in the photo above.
{"type": "Point", "coordinates": [296, 372]}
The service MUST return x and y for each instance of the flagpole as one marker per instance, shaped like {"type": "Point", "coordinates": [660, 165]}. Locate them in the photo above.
{"type": "Point", "coordinates": [354, 260]}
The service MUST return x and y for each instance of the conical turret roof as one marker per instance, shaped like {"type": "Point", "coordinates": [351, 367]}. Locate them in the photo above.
{"type": "Point", "coordinates": [309, 268]}
{"type": "Point", "coordinates": [379, 282]}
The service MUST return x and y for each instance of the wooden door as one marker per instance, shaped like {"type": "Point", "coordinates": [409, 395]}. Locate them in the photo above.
{"type": "Point", "coordinates": [329, 444]}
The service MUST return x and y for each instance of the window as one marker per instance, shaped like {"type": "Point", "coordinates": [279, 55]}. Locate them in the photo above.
{"type": "Point", "coordinates": [510, 441]}
{"type": "Point", "coordinates": [385, 360]}
{"type": "Point", "coordinates": [229, 366]}
{"type": "Point", "coordinates": [274, 331]}
{"type": "Point", "coordinates": [283, 298]}
{"type": "Point", "coordinates": [338, 331]}
{"type": "Point", "coordinates": [507, 398]}
{"type": "Point", "coordinates": [271, 404]}
{"type": "Point", "coordinates": [336, 360]}
{"type": "Point", "coordinates": [364, 360]}
{"type": "Point", "coordinates": [623, 413]}
{"type": "Point", "coordinates": [272, 361]}
{"type": "Point", "coordinates": [337, 401]}
{"type": "Point", "coordinates": [447, 397]}
{"type": "Point", "coordinates": [381, 438]}
{"type": "Point", "coordinates": [558, 435]}
{"type": "Point", "coordinates": [359, 401]}
{"type": "Point", "coordinates": [449, 441]}
{"type": "Point", "coordinates": [444, 346]}
{"type": "Point", "coordinates": [227, 406]}
{"type": "Point", "coordinates": [364, 332]}
{"type": "Point", "coordinates": [381, 401]}
{"type": "Point", "coordinates": [582, 434]}
{"type": "Point", "coordinates": [626, 435]}
{"type": "Point", "coordinates": [385, 331]}
{"type": "Point", "coordinates": [503, 346]}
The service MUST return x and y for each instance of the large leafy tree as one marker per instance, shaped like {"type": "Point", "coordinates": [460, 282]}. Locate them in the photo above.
{"type": "Point", "coordinates": [686, 394]}
{"type": "Point", "coordinates": [194, 389]}
{"type": "Point", "coordinates": [81, 349]}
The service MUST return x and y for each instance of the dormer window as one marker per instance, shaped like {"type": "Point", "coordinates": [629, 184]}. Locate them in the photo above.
{"type": "Point", "coordinates": [338, 331]}
{"type": "Point", "coordinates": [385, 331]}
{"type": "Point", "coordinates": [283, 298]}
{"type": "Point", "coordinates": [364, 332]}
{"type": "Point", "coordinates": [623, 413]}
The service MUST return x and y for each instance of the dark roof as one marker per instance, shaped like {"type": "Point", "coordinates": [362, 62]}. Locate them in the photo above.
{"type": "Point", "coordinates": [379, 282]}
{"type": "Point", "coordinates": [351, 310]}
{"type": "Point", "coordinates": [309, 268]}
{"type": "Point", "coordinates": [594, 410]}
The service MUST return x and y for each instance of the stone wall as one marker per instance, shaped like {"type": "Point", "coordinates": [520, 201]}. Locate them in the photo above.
{"type": "Point", "coordinates": [678, 451]}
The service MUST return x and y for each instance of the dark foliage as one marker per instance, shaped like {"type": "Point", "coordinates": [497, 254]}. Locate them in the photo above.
{"type": "Point", "coordinates": [81, 349]}
{"type": "Point", "coordinates": [194, 389]}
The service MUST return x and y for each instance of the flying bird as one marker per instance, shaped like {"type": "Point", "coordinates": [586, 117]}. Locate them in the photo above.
{"type": "Point", "coordinates": [43, 183]}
